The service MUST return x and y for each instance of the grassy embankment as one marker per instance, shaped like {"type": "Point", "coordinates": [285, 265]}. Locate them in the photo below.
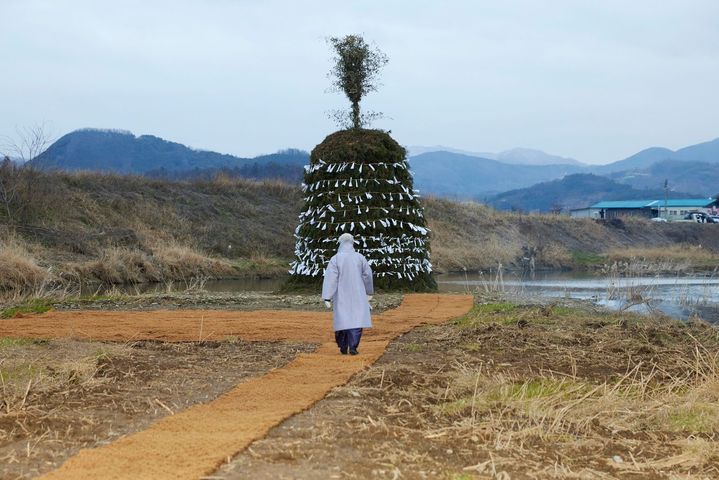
{"type": "Point", "coordinates": [474, 236]}
{"type": "Point", "coordinates": [71, 229]}
{"type": "Point", "coordinates": [122, 229]}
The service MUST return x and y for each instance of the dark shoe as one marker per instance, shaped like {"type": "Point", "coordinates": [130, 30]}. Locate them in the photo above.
{"type": "Point", "coordinates": [343, 351]}
{"type": "Point", "coordinates": [354, 352]}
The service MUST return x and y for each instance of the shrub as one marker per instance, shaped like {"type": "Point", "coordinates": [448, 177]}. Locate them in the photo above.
{"type": "Point", "coordinates": [119, 265]}
{"type": "Point", "coordinates": [180, 262]}
{"type": "Point", "coordinates": [18, 269]}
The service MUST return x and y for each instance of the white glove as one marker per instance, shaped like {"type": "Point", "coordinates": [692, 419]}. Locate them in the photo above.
{"type": "Point", "coordinates": [328, 304]}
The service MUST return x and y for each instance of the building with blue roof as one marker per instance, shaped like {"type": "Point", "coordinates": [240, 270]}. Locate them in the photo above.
{"type": "Point", "coordinates": [671, 209]}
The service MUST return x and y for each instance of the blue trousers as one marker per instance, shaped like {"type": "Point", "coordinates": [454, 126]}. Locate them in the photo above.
{"type": "Point", "coordinates": [348, 340]}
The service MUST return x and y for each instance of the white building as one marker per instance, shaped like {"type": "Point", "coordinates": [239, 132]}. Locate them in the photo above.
{"type": "Point", "coordinates": [672, 210]}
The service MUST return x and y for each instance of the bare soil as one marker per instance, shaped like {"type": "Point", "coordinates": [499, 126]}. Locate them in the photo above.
{"type": "Point", "coordinates": [214, 300]}
{"type": "Point", "coordinates": [83, 394]}
{"type": "Point", "coordinates": [195, 441]}
{"type": "Point", "coordinates": [406, 416]}
{"type": "Point", "coordinates": [509, 391]}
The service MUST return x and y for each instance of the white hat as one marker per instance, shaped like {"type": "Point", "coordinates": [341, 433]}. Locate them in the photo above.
{"type": "Point", "coordinates": [345, 237]}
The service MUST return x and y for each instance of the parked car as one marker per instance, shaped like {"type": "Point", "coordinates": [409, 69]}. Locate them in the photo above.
{"type": "Point", "coordinates": [659, 219]}
{"type": "Point", "coordinates": [700, 217]}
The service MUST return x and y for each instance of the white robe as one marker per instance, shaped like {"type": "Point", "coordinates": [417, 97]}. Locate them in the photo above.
{"type": "Point", "coordinates": [347, 282]}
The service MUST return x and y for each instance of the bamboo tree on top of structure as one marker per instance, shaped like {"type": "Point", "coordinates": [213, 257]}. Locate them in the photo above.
{"type": "Point", "coordinates": [358, 181]}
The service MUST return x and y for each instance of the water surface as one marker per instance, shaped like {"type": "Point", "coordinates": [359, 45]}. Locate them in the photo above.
{"type": "Point", "coordinates": [678, 296]}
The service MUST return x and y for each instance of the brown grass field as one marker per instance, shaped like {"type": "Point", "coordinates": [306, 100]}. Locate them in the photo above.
{"type": "Point", "coordinates": [505, 391]}
{"type": "Point", "coordinates": [514, 391]}
{"type": "Point", "coordinates": [193, 442]}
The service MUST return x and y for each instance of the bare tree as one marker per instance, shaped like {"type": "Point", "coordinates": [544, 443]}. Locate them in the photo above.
{"type": "Point", "coordinates": [17, 178]}
{"type": "Point", "coordinates": [355, 73]}
{"type": "Point", "coordinates": [9, 183]}
{"type": "Point", "coordinates": [27, 144]}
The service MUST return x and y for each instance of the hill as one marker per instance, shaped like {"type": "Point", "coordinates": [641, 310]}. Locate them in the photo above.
{"type": "Point", "coordinates": [122, 152]}
{"type": "Point", "coordinates": [707, 152]}
{"type": "Point", "coordinates": [119, 151]}
{"type": "Point", "coordinates": [517, 156]}
{"type": "Point", "coordinates": [701, 152]}
{"type": "Point", "coordinates": [463, 176]}
{"type": "Point", "coordinates": [530, 156]}
{"type": "Point", "coordinates": [699, 178]}
{"type": "Point", "coordinates": [572, 191]}
{"type": "Point", "coordinates": [286, 165]}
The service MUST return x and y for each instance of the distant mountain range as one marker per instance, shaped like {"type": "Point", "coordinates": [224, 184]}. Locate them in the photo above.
{"type": "Point", "coordinates": [706, 152]}
{"type": "Point", "coordinates": [463, 176]}
{"type": "Point", "coordinates": [509, 179]}
{"type": "Point", "coordinates": [693, 170]}
{"type": "Point", "coordinates": [518, 156]}
{"type": "Point", "coordinates": [119, 151]}
{"type": "Point", "coordinates": [573, 191]}
{"type": "Point", "coordinates": [701, 178]}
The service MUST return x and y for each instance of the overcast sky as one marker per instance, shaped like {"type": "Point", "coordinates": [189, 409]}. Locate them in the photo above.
{"type": "Point", "coordinates": [594, 80]}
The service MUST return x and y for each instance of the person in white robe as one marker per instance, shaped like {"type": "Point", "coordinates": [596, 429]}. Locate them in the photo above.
{"type": "Point", "coordinates": [348, 287]}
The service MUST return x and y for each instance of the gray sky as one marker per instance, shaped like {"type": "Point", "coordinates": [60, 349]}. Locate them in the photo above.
{"type": "Point", "coordinates": [593, 80]}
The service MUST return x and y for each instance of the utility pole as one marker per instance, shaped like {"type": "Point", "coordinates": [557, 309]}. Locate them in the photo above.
{"type": "Point", "coordinates": [666, 199]}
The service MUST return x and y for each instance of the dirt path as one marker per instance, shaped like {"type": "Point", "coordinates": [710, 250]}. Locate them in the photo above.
{"type": "Point", "coordinates": [84, 393]}
{"type": "Point", "coordinates": [173, 325]}
{"type": "Point", "coordinates": [196, 441]}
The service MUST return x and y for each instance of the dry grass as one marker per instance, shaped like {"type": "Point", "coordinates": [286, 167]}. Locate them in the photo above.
{"type": "Point", "coordinates": [523, 391]}
{"type": "Point", "coordinates": [669, 258]}
{"type": "Point", "coordinates": [180, 262]}
{"type": "Point", "coordinates": [167, 262]}
{"type": "Point", "coordinates": [551, 404]}
{"type": "Point", "coordinates": [470, 235]}
{"type": "Point", "coordinates": [473, 236]}
{"type": "Point", "coordinates": [246, 215]}
{"type": "Point", "coordinates": [115, 228]}
{"type": "Point", "coordinates": [555, 255]}
{"type": "Point", "coordinates": [118, 265]}
{"type": "Point", "coordinates": [19, 270]}
{"type": "Point", "coordinates": [25, 370]}
{"type": "Point", "coordinates": [656, 416]}
{"type": "Point", "coordinates": [511, 412]}
{"type": "Point", "coordinates": [128, 229]}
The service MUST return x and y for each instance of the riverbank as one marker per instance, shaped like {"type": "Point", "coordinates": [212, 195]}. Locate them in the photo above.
{"type": "Point", "coordinates": [472, 236]}
{"type": "Point", "coordinates": [188, 299]}
{"type": "Point", "coordinates": [107, 229]}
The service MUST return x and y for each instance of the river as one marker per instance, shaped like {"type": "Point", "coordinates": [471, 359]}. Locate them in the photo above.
{"type": "Point", "coordinates": [680, 296]}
